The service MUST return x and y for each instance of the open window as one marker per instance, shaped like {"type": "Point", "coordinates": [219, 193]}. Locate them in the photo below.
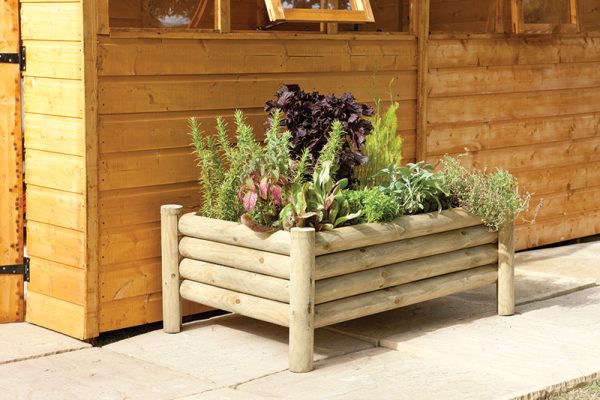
{"type": "Point", "coordinates": [342, 11]}
{"type": "Point", "coordinates": [544, 16]}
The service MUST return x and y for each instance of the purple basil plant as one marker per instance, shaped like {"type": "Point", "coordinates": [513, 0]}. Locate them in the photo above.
{"type": "Point", "coordinates": [309, 117]}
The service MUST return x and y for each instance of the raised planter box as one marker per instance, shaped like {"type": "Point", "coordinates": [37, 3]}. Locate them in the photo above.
{"type": "Point", "coordinates": [306, 280]}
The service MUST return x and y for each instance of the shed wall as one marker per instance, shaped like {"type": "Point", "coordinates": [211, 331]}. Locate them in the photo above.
{"type": "Point", "coordinates": [148, 88]}
{"type": "Point", "coordinates": [55, 164]}
{"type": "Point", "coordinates": [530, 105]}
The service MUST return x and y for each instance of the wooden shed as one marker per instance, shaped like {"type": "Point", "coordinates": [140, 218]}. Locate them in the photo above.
{"type": "Point", "coordinates": [108, 87]}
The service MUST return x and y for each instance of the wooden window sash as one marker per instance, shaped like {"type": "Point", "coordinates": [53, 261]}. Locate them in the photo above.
{"type": "Point", "coordinates": [222, 23]}
{"type": "Point", "coordinates": [361, 13]}
{"type": "Point", "coordinates": [519, 25]}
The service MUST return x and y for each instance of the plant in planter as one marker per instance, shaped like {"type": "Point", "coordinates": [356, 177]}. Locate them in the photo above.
{"type": "Point", "coordinates": [310, 116]}
{"type": "Point", "coordinates": [314, 275]}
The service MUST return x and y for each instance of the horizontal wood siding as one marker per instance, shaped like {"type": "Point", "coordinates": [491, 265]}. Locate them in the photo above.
{"type": "Point", "coordinates": [148, 88]}
{"type": "Point", "coordinates": [54, 164]}
{"type": "Point", "coordinates": [530, 105]}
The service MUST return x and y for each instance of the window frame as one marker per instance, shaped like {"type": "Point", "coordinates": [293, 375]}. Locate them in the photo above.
{"type": "Point", "coordinates": [361, 13]}
{"type": "Point", "coordinates": [519, 25]}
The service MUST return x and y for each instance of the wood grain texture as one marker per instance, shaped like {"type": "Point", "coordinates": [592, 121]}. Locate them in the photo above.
{"type": "Point", "coordinates": [302, 300]}
{"type": "Point", "coordinates": [364, 258]}
{"type": "Point", "coordinates": [235, 256]}
{"type": "Point", "coordinates": [404, 272]}
{"type": "Point", "coordinates": [252, 306]}
{"type": "Point", "coordinates": [506, 269]}
{"type": "Point", "coordinates": [530, 106]}
{"type": "Point", "coordinates": [170, 268]}
{"type": "Point", "coordinates": [238, 280]}
{"type": "Point", "coordinates": [403, 295]}
{"type": "Point", "coordinates": [11, 167]}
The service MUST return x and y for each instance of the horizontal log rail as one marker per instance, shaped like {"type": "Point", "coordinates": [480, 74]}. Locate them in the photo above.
{"type": "Point", "coordinates": [245, 304]}
{"type": "Point", "coordinates": [236, 257]}
{"type": "Point", "coordinates": [378, 255]}
{"type": "Point", "coordinates": [406, 227]}
{"type": "Point", "coordinates": [404, 272]}
{"type": "Point", "coordinates": [233, 233]}
{"type": "Point", "coordinates": [403, 295]}
{"type": "Point", "coordinates": [252, 283]}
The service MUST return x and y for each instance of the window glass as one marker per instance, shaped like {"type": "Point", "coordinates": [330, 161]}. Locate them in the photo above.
{"type": "Point", "coordinates": [169, 13]}
{"type": "Point", "coordinates": [317, 4]}
{"type": "Point", "coordinates": [555, 12]}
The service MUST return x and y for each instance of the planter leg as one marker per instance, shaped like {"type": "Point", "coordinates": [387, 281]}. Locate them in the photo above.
{"type": "Point", "coordinates": [169, 215]}
{"type": "Point", "coordinates": [506, 269]}
{"type": "Point", "coordinates": [302, 299]}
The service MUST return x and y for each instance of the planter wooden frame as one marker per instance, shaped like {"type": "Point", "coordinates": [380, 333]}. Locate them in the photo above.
{"type": "Point", "coordinates": [305, 280]}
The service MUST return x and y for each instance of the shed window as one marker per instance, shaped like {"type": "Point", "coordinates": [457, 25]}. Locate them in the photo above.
{"type": "Point", "coordinates": [348, 11]}
{"type": "Point", "coordinates": [544, 16]}
{"type": "Point", "coordinates": [252, 15]}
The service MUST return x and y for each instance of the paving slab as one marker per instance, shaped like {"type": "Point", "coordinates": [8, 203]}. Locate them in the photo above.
{"type": "Point", "coordinates": [229, 349]}
{"type": "Point", "coordinates": [384, 374]}
{"type": "Point", "coordinates": [574, 261]}
{"type": "Point", "coordinates": [550, 342]}
{"type": "Point", "coordinates": [226, 394]}
{"type": "Point", "coordinates": [21, 341]}
{"type": "Point", "coordinates": [461, 307]}
{"type": "Point", "coordinates": [532, 286]}
{"type": "Point", "coordinates": [95, 374]}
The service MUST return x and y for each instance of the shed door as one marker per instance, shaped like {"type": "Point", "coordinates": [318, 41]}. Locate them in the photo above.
{"type": "Point", "coordinates": [11, 168]}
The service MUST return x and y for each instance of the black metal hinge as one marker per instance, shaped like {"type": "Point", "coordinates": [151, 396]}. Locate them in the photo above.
{"type": "Point", "coordinates": [15, 58]}
{"type": "Point", "coordinates": [18, 269]}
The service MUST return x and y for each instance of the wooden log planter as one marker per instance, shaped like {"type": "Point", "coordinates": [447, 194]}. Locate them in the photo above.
{"type": "Point", "coordinates": [305, 280]}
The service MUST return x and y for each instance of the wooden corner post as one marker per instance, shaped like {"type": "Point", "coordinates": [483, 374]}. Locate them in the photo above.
{"type": "Point", "coordinates": [422, 31]}
{"type": "Point", "coordinates": [302, 299]}
{"type": "Point", "coordinates": [506, 269]}
{"type": "Point", "coordinates": [169, 217]}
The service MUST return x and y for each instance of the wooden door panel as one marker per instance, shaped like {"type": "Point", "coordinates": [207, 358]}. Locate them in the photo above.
{"type": "Point", "coordinates": [11, 167]}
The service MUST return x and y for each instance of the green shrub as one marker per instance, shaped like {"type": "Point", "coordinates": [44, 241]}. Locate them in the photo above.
{"type": "Point", "coordinates": [416, 187]}
{"type": "Point", "coordinates": [321, 202]}
{"type": "Point", "coordinates": [244, 177]}
{"type": "Point", "coordinates": [375, 205]}
{"type": "Point", "coordinates": [383, 146]}
{"type": "Point", "coordinates": [494, 197]}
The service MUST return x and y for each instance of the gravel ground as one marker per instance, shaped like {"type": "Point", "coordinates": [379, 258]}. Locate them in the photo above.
{"type": "Point", "coordinates": [588, 392]}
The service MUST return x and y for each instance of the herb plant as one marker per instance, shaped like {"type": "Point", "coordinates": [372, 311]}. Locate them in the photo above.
{"type": "Point", "coordinates": [245, 177]}
{"type": "Point", "coordinates": [416, 187]}
{"type": "Point", "coordinates": [494, 197]}
{"type": "Point", "coordinates": [375, 205]}
{"type": "Point", "coordinates": [383, 147]}
{"type": "Point", "coordinates": [310, 116]}
{"type": "Point", "coordinates": [320, 202]}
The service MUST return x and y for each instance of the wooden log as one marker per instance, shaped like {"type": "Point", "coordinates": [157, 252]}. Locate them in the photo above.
{"type": "Point", "coordinates": [170, 268]}
{"type": "Point", "coordinates": [403, 295]}
{"type": "Point", "coordinates": [302, 299]}
{"type": "Point", "coordinates": [389, 253]}
{"type": "Point", "coordinates": [236, 257]}
{"type": "Point", "coordinates": [245, 304]}
{"type": "Point", "coordinates": [506, 269]}
{"type": "Point", "coordinates": [404, 272]}
{"type": "Point", "coordinates": [237, 280]}
{"type": "Point", "coordinates": [406, 227]}
{"type": "Point", "coordinates": [233, 233]}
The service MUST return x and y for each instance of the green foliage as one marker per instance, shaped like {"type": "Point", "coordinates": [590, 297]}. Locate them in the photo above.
{"type": "Point", "coordinates": [383, 146]}
{"type": "Point", "coordinates": [321, 202]}
{"type": "Point", "coordinates": [376, 206]}
{"type": "Point", "coordinates": [244, 176]}
{"type": "Point", "coordinates": [416, 187]}
{"type": "Point", "coordinates": [494, 197]}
